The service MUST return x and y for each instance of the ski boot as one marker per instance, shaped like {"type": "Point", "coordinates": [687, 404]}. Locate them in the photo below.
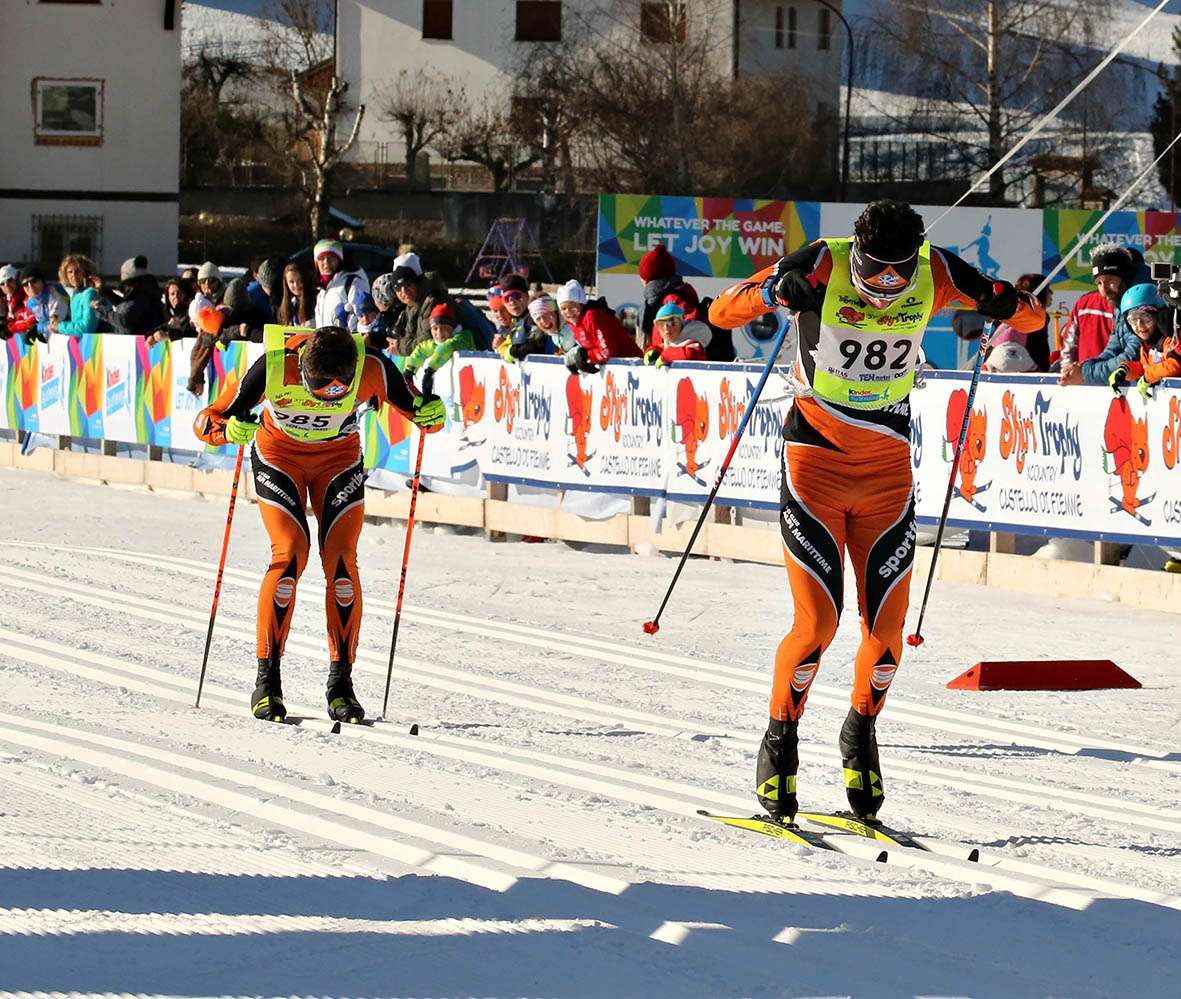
{"type": "Point", "coordinates": [342, 702]}
{"type": "Point", "coordinates": [863, 772]}
{"type": "Point", "coordinates": [775, 773]}
{"type": "Point", "coordinates": [267, 700]}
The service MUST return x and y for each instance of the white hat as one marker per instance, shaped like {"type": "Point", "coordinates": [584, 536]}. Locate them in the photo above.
{"type": "Point", "coordinates": [8, 273]}
{"type": "Point", "coordinates": [1009, 358]}
{"type": "Point", "coordinates": [408, 260]}
{"type": "Point", "coordinates": [208, 270]}
{"type": "Point", "coordinates": [571, 291]}
{"type": "Point", "coordinates": [134, 267]}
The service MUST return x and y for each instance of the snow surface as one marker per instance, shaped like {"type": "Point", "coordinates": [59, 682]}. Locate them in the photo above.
{"type": "Point", "coordinates": [539, 836]}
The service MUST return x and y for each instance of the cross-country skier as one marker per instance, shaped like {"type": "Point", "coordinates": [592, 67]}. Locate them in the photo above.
{"type": "Point", "coordinates": [861, 305]}
{"type": "Point", "coordinates": [307, 446]}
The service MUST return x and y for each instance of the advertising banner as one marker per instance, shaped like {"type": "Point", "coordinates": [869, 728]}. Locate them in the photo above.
{"type": "Point", "coordinates": [1039, 459]}
{"type": "Point", "coordinates": [1154, 234]}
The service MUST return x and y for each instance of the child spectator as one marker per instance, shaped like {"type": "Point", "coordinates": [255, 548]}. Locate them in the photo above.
{"type": "Point", "coordinates": [43, 303]}
{"type": "Point", "coordinates": [298, 305]}
{"type": "Point", "coordinates": [370, 322]}
{"type": "Point", "coordinates": [673, 339]}
{"type": "Point", "coordinates": [520, 337]}
{"type": "Point", "coordinates": [338, 284]}
{"type": "Point", "coordinates": [662, 284]}
{"type": "Point", "coordinates": [177, 295]}
{"type": "Point", "coordinates": [447, 336]}
{"type": "Point", "coordinates": [1123, 345]}
{"type": "Point", "coordinates": [76, 274]}
{"type": "Point", "coordinates": [544, 312]}
{"type": "Point", "coordinates": [598, 333]}
{"type": "Point", "coordinates": [1160, 354]}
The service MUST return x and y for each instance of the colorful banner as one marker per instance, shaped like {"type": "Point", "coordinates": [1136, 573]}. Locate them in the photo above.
{"type": "Point", "coordinates": [1040, 459]}
{"type": "Point", "coordinates": [1154, 234]}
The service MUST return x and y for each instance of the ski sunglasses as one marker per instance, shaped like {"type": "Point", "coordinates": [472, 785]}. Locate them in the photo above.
{"type": "Point", "coordinates": [327, 388]}
{"type": "Point", "coordinates": [885, 279]}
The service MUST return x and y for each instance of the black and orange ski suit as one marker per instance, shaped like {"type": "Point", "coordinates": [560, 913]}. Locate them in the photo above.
{"type": "Point", "coordinates": [289, 472]}
{"type": "Point", "coordinates": [847, 485]}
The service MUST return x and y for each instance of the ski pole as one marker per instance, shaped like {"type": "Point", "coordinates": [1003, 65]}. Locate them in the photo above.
{"type": "Point", "coordinates": [917, 638]}
{"type": "Point", "coordinates": [225, 547]}
{"type": "Point", "coordinates": [405, 561]}
{"type": "Point", "coordinates": [653, 626]}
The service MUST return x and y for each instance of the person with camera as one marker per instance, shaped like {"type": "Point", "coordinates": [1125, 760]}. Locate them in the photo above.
{"type": "Point", "coordinates": [307, 446]}
{"type": "Point", "coordinates": [861, 307]}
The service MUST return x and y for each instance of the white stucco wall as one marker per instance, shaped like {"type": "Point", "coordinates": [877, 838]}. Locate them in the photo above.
{"type": "Point", "coordinates": [123, 43]}
{"type": "Point", "coordinates": [378, 38]}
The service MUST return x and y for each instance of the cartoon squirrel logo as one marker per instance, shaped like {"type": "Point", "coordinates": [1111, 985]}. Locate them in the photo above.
{"type": "Point", "coordinates": [1126, 440]}
{"type": "Point", "coordinates": [471, 397]}
{"type": "Point", "coordinates": [975, 443]}
{"type": "Point", "coordinates": [693, 419]}
{"type": "Point", "coordinates": [850, 316]}
{"type": "Point", "coordinates": [578, 403]}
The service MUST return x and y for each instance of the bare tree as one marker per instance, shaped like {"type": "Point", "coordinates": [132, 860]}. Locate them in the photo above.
{"type": "Point", "coordinates": [494, 139]}
{"type": "Point", "coordinates": [301, 39]}
{"type": "Point", "coordinates": [984, 71]}
{"type": "Point", "coordinates": [217, 123]}
{"type": "Point", "coordinates": [423, 106]}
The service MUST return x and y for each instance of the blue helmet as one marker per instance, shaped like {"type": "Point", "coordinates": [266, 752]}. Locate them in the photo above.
{"type": "Point", "coordinates": [1141, 296]}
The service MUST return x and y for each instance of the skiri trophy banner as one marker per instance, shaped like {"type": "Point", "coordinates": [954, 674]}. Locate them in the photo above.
{"type": "Point", "coordinates": [1069, 462]}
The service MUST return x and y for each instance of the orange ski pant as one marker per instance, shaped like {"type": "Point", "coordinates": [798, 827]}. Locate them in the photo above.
{"type": "Point", "coordinates": [286, 475]}
{"type": "Point", "coordinates": [833, 501]}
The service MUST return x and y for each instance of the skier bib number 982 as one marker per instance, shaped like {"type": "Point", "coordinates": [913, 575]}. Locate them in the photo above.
{"type": "Point", "coordinates": [867, 357]}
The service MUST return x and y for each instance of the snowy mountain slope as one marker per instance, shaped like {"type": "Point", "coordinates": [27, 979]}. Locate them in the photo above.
{"type": "Point", "coordinates": [542, 824]}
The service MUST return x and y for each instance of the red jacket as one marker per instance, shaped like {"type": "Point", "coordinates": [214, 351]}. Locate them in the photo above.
{"type": "Point", "coordinates": [603, 335]}
{"type": "Point", "coordinates": [1089, 328]}
{"type": "Point", "coordinates": [20, 319]}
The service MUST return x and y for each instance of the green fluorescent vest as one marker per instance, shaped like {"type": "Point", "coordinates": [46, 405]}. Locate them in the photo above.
{"type": "Point", "coordinates": [297, 412]}
{"type": "Point", "coordinates": [866, 358]}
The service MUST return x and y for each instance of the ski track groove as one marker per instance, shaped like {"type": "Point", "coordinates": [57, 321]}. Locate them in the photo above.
{"type": "Point", "coordinates": [463, 682]}
{"type": "Point", "coordinates": [1025, 878]}
{"type": "Point", "coordinates": [737, 677]}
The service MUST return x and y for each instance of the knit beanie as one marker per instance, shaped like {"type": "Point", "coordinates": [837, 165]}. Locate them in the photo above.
{"type": "Point", "coordinates": [670, 310]}
{"type": "Point", "coordinates": [133, 268]}
{"type": "Point", "coordinates": [237, 295]}
{"type": "Point", "coordinates": [441, 314]}
{"type": "Point", "coordinates": [657, 263]}
{"type": "Point", "coordinates": [572, 291]}
{"type": "Point", "coordinates": [270, 272]}
{"type": "Point", "coordinates": [408, 260]}
{"type": "Point", "coordinates": [383, 290]}
{"type": "Point", "coordinates": [542, 305]}
{"type": "Point", "coordinates": [208, 270]}
{"type": "Point", "coordinates": [1113, 258]}
{"type": "Point", "coordinates": [328, 246]}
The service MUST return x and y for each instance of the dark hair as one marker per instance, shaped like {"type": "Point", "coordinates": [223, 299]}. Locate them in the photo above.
{"type": "Point", "coordinates": [330, 351]}
{"type": "Point", "coordinates": [1027, 282]}
{"type": "Point", "coordinates": [186, 289]}
{"type": "Point", "coordinates": [187, 271]}
{"type": "Point", "coordinates": [31, 273]}
{"type": "Point", "coordinates": [306, 311]}
{"type": "Point", "coordinates": [889, 230]}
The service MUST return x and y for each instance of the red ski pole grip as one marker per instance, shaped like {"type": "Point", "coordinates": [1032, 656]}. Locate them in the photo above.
{"type": "Point", "coordinates": [914, 640]}
{"type": "Point", "coordinates": [651, 627]}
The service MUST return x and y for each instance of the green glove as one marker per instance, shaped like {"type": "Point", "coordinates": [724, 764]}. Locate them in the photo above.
{"type": "Point", "coordinates": [1145, 388]}
{"type": "Point", "coordinates": [429, 411]}
{"type": "Point", "coordinates": [1117, 378]}
{"type": "Point", "coordinates": [652, 356]}
{"type": "Point", "coordinates": [240, 431]}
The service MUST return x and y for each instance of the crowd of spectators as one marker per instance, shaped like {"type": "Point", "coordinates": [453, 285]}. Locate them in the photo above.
{"type": "Point", "coordinates": [1123, 327]}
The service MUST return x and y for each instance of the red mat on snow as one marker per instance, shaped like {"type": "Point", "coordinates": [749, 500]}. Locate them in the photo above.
{"type": "Point", "coordinates": [1053, 674]}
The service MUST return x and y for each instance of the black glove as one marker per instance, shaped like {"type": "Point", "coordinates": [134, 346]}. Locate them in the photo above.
{"type": "Point", "coordinates": [519, 350]}
{"type": "Point", "coordinates": [5, 332]}
{"type": "Point", "coordinates": [800, 292]}
{"type": "Point", "coordinates": [33, 336]}
{"type": "Point", "coordinates": [1000, 303]}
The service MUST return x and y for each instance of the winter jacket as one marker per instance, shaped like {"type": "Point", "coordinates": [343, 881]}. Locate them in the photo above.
{"type": "Point", "coordinates": [695, 337]}
{"type": "Point", "coordinates": [1123, 346]}
{"type": "Point", "coordinates": [413, 326]}
{"type": "Point", "coordinates": [523, 338]}
{"type": "Point", "coordinates": [435, 355]}
{"type": "Point", "coordinates": [1089, 328]}
{"type": "Point", "coordinates": [602, 335]}
{"type": "Point", "coordinates": [48, 305]}
{"type": "Point", "coordinates": [261, 300]}
{"type": "Point", "coordinates": [83, 319]}
{"type": "Point", "coordinates": [141, 310]}
{"type": "Point", "coordinates": [1163, 361]}
{"type": "Point", "coordinates": [336, 301]}
{"type": "Point", "coordinates": [20, 319]}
